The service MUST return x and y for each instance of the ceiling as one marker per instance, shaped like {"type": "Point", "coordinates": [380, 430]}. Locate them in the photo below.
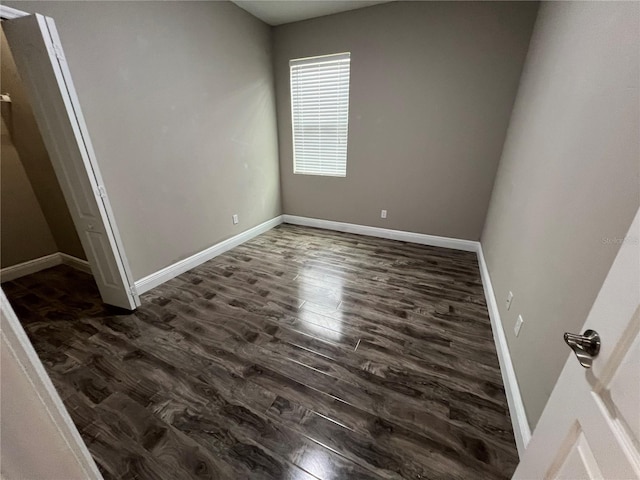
{"type": "Point", "coordinates": [278, 12]}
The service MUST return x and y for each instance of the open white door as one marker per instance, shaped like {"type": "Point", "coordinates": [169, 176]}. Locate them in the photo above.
{"type": "Point", "coordinates": [590, 427]}
{"type": "Point", "coordinates": [37, 50]}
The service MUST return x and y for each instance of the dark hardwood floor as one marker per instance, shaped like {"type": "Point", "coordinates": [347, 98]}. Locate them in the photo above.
{"type": "Point", "coordinates": [300, 354]}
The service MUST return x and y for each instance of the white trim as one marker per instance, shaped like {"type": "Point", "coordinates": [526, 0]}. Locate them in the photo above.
{"type": "Point", "coordinates": [521, 429]}
{"type": "Point", "coordinates": [18, 343]}
{"type": "Point", "coordinates": [412, 237]}
{"type": "Point", "coordinates": [75, 262]}
{"type": "Point", "coordinates": [151, 281]}
{"type": "Point", "coordinates": [333, 57]}
{"type": "Point", "coordinates": [8, 13]}
{"type": "Point", "coordinates": [31, 266]}
{"type": "Point", "coordinates": [37, 264]}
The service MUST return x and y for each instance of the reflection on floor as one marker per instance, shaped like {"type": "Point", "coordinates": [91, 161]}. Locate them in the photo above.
{"type": "Point", "coordinates": [300, 354]}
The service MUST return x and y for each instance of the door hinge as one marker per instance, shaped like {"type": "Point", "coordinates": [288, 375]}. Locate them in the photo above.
{"type": "Point", "coordinates": [133, 290]}
{"type": "Point", "coordinates": [56, 51]}
{"type": "Point", "coordinates": [102, 193]}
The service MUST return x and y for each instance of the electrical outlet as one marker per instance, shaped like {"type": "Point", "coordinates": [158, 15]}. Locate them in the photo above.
{"type": "Point", "coordinates": [509, 299]}
{"type": "Point", "coordinates": [518, 325]}
{"type": "Point", "coordinates": [235, 219]}
{"type": "Point", "coordinates": [383, 214]}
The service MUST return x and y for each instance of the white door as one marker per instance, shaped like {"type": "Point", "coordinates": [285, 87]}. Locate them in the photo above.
{"type": "Point", "coordinates": [590, 427]}
{"type": "Point", "coordinates": [36, 47]}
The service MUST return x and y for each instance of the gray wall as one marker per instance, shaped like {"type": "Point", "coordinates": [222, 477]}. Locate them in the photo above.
{"type": "Point", "coordinates": [24, 232]}
{"type": "Point", "coordinates": [568, 183]}
{"type": "Point", "coordinates": [179, 102]}
{"type": "Point", "coordinates": [35, 160]}
{"type": "Point", "coordinates": [432, 88]}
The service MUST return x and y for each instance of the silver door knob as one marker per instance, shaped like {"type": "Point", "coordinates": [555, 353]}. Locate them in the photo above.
{"type": "Point", "coordinates": [585, 346]}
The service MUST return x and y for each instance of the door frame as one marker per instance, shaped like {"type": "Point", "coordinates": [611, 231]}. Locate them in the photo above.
{"type": "Point", "coordinates": [93, 173]}
{"type": "Point", "coordinates": [14, 339]}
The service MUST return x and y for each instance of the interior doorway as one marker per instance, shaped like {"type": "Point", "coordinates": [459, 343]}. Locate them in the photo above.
{"type": "Point", "coordinates": [40, 61]}
{"type": "Point", "coordinates": [37, 228]}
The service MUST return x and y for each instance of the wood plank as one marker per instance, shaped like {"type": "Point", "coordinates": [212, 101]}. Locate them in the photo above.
{"type": "Point", "coordinates": [300, 354]}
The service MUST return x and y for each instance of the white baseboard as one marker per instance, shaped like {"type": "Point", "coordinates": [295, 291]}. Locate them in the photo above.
{"type": "Point", "coordinates": [151, 281]}
{"type": "Point", "coordinates": [521, 429]}
{"type": "Point", "coordinates": [421, 238]}
{"type": "Point", "coordinates": [32, 266]}
{"type": "Point", "coordinates": [27, 268]}
{"type": "Point", "coordinates": [75, 262]}
{"type": "Point", "coordinates": [516, 407]}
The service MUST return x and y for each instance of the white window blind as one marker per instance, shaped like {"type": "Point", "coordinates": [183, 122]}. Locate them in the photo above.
{"type": "Point", "coordinates": [320, 114]}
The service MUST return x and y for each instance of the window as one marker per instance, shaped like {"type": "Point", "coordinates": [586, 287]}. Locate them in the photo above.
{"type": "Point", "coordinates": [320, 114]}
